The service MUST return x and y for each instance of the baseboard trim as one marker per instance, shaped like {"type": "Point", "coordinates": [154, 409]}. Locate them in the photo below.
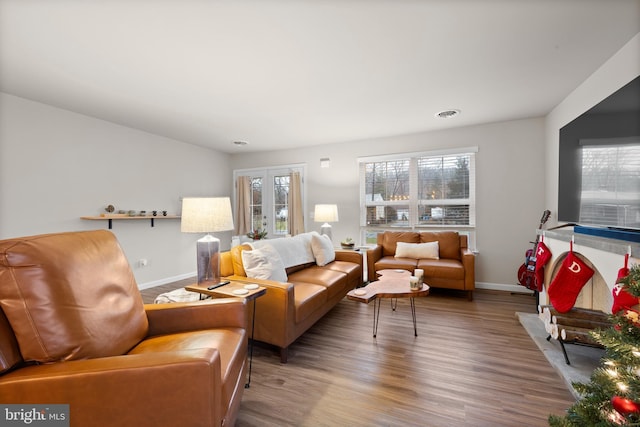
{"type": "Point", "coordinates": [503, 287]}
{"type": "Point", "coordinates": [166, 280]}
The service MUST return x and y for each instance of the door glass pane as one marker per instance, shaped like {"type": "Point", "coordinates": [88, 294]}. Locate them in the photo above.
{"type": "Point", "coordinates": [256, 203]}
{"type": "Point", "coordinates": [281, 203]}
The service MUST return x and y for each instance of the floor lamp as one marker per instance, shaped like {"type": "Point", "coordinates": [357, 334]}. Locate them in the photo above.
{"type": "Point", "coordinates": [207, 215]}
{"type": "Point", "coordinates": [326, 214]}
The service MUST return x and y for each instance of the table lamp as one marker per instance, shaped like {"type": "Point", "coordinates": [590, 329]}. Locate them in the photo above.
{"type": "Point", "coordinates": [326, 214]}
{"type": "Point", "coordinates": [207, 215]}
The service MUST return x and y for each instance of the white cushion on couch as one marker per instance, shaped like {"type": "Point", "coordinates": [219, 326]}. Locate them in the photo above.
{"type": "Point", "coordinates": [322, 248]}
{"type": "Point", "coordinates": [428, 250]}
{"type": "Point", "coordinates": [264, 263]}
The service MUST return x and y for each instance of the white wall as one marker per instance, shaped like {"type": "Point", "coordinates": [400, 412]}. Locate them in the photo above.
{"type": "Point", "coordinates": [510, 195]}
{"type": "Point", "coordinates": [56, 166]}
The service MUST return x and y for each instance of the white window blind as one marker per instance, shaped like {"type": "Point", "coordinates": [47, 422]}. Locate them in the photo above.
{"type": "Point", "coordinates": [418, 190]}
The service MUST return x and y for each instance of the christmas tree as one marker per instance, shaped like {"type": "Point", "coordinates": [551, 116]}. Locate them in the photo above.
{"type": "Point", "coordinates": [612, 397]}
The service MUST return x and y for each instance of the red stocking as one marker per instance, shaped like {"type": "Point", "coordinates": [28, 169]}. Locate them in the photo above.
{"type": "Point", "coordinates": [543, 255]}
{"type": "Point", "coordinates": [565, 287]}
{"type": "Point", "coordinates": [622, 298]}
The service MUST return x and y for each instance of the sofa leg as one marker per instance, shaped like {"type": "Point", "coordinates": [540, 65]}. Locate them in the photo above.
{"type": "Point", "coordinates": [470, 295]}
{"type": "Point", "coordinates": [284, 354]}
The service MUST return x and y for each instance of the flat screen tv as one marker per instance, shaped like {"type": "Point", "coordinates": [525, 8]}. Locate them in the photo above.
{"type": "Point", "coordinates": [599, 176]}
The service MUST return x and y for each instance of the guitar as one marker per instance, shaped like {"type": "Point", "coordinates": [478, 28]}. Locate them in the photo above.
{"type": "Point", "coordinates": [527, 271]}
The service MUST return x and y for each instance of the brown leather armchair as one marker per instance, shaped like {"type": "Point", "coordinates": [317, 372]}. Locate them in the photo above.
{"type": "Point", "coordinates": [74, 330]}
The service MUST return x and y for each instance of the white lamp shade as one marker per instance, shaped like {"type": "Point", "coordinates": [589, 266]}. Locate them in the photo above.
{"type": "Point", "coordinates": [206, 214]}
{"type": "Point", "coordinates": [326, 213]}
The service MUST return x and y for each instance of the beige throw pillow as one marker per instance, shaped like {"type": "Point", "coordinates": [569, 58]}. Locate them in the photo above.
{"type": "Point", "coordinates": [264, 263]}
{"type": "Point", "coordinates": [322, 248]}
{"type": "Point", "coordinates": [428, 250]}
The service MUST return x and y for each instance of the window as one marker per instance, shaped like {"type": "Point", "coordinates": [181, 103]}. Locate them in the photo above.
{"type": "Point", "coordinates": [611, 185]}
{"type": "Point", "coordinates": [416, 190]}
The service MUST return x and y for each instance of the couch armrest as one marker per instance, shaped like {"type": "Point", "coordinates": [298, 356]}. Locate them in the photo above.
{"type": "Point", "coordinates": [373, 256]}
{"type": "Point", "coordinates": [468, 262]}
{"type": "Point", "coordinates": [349, 256]}
{"type": "Point", "coordinates": [189, 316]}
{"type": "Point", "coordinates": [138, 389]}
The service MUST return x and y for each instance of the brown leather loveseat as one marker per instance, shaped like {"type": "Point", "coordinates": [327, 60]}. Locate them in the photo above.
{"type": "Point", "coordinates": [307, 293]}
{"type": "Point", "coordinates": [74, 330]}
{"type": "Point", "coordinates": [451, 265]}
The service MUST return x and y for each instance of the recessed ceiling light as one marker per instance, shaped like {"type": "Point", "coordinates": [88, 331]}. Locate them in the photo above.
{"type": "Point", "coordinates": [240, 143]}
{"type": "Point", "coordinates": [447, 114]}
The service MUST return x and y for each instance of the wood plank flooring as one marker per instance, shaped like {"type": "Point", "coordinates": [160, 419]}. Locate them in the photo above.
{"type": "Point", "coordinates": [472, 364]}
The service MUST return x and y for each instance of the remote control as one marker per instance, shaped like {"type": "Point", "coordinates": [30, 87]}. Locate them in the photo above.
{"type": "Point", "coordinates": [226, 282]}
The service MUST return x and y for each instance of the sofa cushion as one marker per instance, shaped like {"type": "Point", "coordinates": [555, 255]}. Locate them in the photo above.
{"type": "Point", "coordinates": [236, 259]}
{"type": "Point", "coordinates": [442, 268]}
{"type": "Point", "coordinates": [62, 318]}
{"type": "Point", "coordinates": [390, 262]}
{"type": "Point", "coordinates": [322, 248]}
{"type": "Point", "coordinates": [448, 242]}
{"type": "Point", "coordinates": [264, 263]}
{"type": "Point", "coordinates": [230, 343]}
{"type": "Point", "coordinates": [308, 298]}
{"type": "Point", "coordinates": [352, 270]}
{"type": "Point", "coordinates": [389, 240]}
{"type": "Point", "coordinates": [427, 250]}
{"type": "Point", "coordinates": [334, 281]}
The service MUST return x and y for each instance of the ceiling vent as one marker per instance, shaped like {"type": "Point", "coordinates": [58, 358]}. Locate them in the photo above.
{"type": "Point", "coordinates": [447, 114]}
{"type": "Point", "coordinates": [240, 143]}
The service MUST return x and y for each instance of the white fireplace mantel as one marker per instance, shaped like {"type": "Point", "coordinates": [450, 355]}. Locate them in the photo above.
{"type": "Point", "coordinates": [604, 254]}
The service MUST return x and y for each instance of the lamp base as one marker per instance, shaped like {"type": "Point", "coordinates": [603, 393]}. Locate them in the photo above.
{"type": "Point", "coordinates": [326, 229]}
{"type": "Point", "coordinates": [208, 256]}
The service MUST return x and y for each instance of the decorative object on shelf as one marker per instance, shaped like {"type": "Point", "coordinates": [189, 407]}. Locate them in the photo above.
{"type": "Point", "coordinates": [143, 213]}
{"type": "Point", "coordinates": [154, 213]}
{"type": "Point", "coordinates": [110, 209]}
{"type": "Point", "coordinates": [347, 243]}
{"type": "Point", "coordinates": [207, 215]}
{"type": "Point", "coordinates": [257, 234]}
{"type": "Point", "coordinates": [131, 213]}
{"type": "Point", "coordinates": [326, 214]}
{"type": "Point", "coordinates": [164, 213]}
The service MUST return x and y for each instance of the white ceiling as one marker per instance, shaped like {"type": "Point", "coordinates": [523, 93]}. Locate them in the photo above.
{"type": "Point", "coordinates": [285, 73]}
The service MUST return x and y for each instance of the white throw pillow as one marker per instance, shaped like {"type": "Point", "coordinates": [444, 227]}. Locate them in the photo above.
{"type": "Point", "coordinates": [322, 249]}
{"type": "Point", "coordinates": [264, 263]}
{"type": "Point", "coordinates": [429, 250]}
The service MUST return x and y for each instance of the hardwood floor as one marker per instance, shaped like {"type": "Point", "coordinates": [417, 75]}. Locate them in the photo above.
{"type": "Point", "coordinates": [472, 364]}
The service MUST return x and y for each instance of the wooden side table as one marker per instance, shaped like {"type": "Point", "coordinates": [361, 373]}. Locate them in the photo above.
{"type": "Point", "coordinates": [232, 290]}
{"type": "Point", "coordinates": [391, 284]}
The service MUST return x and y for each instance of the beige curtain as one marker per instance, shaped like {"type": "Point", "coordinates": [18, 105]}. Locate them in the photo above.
{"type": "Point", "coordinates": [296, 213]}
{"type": "Point", "coordinates": [243, 205]}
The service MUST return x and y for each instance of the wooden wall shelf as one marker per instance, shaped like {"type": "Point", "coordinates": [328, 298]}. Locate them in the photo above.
{"type": "Point", "coordinates": [111, 217]}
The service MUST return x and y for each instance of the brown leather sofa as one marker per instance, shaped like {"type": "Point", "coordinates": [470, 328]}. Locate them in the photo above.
{"type": "Point", "coordinates": [454, 268]}
{"type": "Point", "coordinates": [74, 330]}
{"type": "Point", "coordinates": [290, 308]}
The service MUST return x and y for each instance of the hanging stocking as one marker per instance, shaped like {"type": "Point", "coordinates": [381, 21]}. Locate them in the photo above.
{"type": "Point", "coordinates": [543, 255]}
{"type": "Point", "coordinates": [622, 298]}
{"type": "Point", "coordinates": [571, 278]}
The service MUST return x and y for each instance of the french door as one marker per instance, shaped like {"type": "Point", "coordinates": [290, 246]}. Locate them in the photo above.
{"type": "Point", "coordinates": [269, 198]}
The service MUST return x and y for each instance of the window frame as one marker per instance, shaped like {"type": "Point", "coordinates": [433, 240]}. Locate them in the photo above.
{"type": "Point", "coordinates": [413, 221]}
